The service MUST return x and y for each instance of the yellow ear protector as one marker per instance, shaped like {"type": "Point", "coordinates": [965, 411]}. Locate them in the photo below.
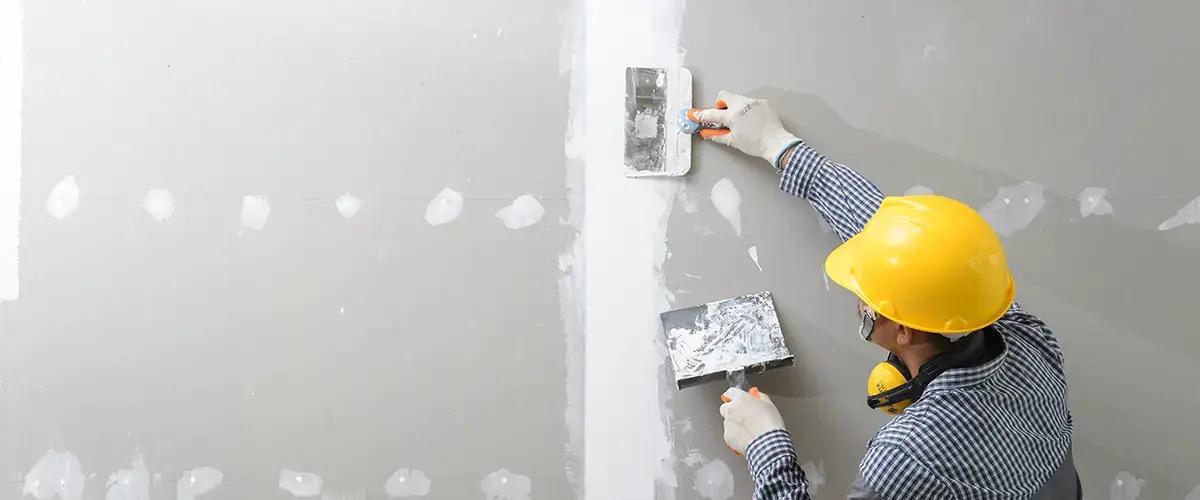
{"type": "Point", "coordinates": [891, 388]}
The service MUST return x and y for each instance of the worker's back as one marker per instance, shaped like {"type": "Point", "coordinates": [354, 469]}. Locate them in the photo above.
{"type": "Point", "coordinates": [1000, 430]}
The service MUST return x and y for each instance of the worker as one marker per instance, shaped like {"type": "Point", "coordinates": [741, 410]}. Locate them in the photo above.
{"type": "Point", "coordinates": [975, 383]}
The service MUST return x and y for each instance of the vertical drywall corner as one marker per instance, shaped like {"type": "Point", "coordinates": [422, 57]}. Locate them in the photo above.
{"type": "Point", "coordinates": [11, 65]}
{"type": "Point", "coordinates": [628, 454]}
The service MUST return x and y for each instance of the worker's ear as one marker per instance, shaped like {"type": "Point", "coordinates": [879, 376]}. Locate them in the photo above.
{"type": "Point", "coordinates": [904, 336]}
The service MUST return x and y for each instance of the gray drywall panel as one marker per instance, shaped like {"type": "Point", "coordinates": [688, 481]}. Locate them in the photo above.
{"type": "Point", "coordinates": [345, 347]}
{"type": "Point", "coordinates": [966, 98]}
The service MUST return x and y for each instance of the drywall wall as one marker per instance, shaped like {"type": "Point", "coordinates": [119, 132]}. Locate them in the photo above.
{"type": "Point", "coordinates": [966, 100]}
{"type": "Point", "coordinates": [251, 262]}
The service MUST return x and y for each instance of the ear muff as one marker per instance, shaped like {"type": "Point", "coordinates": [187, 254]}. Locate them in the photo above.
{"type": "Point", "coordinates": [891, 388]}
{"type": "Point", "coordinates": [887, 387]}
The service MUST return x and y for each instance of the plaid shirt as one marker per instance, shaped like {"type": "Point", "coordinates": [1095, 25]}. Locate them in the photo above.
{"type": "Point", "coordinates": [994, 431]}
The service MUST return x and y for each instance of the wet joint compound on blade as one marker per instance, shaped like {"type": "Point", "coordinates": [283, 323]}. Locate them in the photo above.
{"type": "Point", "coordinates": [707, 341]}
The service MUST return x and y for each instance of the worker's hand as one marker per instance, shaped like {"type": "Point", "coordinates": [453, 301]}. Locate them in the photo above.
{"type": "Point", "coordinates": [748, 416]}
{"type": "Point", "coordinates": [753, 127]}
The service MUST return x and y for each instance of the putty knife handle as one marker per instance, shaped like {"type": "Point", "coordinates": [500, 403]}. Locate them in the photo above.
{"type": "Point", "coordinates": [737, 378]}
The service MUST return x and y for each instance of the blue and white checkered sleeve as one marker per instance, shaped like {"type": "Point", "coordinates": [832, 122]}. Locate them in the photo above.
{"type": "Point", "coordinates": [775, 468]}
{"type": "Point", "coordinates": [842, 196]}
{"type": "Point", "coordinates": [894, 475]}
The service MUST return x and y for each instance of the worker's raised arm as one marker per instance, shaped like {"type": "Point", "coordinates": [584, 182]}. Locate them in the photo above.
{"type": "Point", "coordinates": [842, 196]}
{"type": "Point", "coordinates": [845, 198]}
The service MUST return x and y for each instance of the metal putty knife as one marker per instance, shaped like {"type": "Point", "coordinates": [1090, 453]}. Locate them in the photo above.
{"type": "Point", "coordinates": [725, 339]}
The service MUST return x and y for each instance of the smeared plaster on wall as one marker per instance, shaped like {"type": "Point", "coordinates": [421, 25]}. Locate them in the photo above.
{"type": "Point", "coordinates": [728, 201]}
{"type": "Point", "coordinates": [693, 276]}
{"type": "Point", "coordinates": [753, 251]}
{"type": "Point", "coordinates": [916, 189]}
{"type": "Point", "coordinates": [1188, 214]}
{"type": "Point", "coordinates": [405, 483]}
{"type": "Point", "coordinates": [815, 473]}
{"type": "Point", "coordinates": [159, 204]}
{"type": "Point", "coordinates": [570, 261]}
{"type": "Point", "coordinates": [197, 482]}
{"type": "Point", "coordinates": [57, 473]}
{"type": "Point", "coordinates": [704, 229]}
{"type": "Point", "coordinates": [347, 205]}
{"type": "Point", "coordinates": [63, 198]}
{"type": "Point", "coordinates": [156, 479]}
{"type": "Point", "coordinates": [714, 481]}
{"type": "Point", "coordinates": [505, 485]}
{"type": "Point", "coordinates": [1092, 202]}
{"type": "Point", "coordinates": [1194, 495]}
{"type": "Point", "coordinates": [1125, 486]}
{"type": "Point", "coordinates": [624, 239]}
{"type": "Point", "coordinates": [11, 79]}
{"type": "Point", "coordinates": [826, 276]}
{"type": "Point", "coordinates": [930, 52]}
{"type": "Point", "coordinates": [523, 212]}
{"type": "Point", "coordinates": [130, 484]}
{"type": "Point", "coordinates": [693, 458]}
{"type": "Point", "coordinates": [689, 201]}
{"type": "Point", "coordinates": [444, 208]}
{"type": "Point", "coordinates": [1014, 207]}
{"type": "Point", "coordinates": [300, 484]}
{"type": "Point", "coordinates": [255, 211]}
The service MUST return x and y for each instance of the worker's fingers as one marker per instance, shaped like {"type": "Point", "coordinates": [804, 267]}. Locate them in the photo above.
{"type": "Point", "coordinates": [735, 101]}
{"type": "Point", "coordinates": [722, 104]}
{"type": "Point", "coordinates": [720, 116]}
{"type": "Point", "coordinates": [725, 409]}
{"type": "Point", "coordinates": [764, 397]}
{"type": "Point", "coordinates": [716, 135]}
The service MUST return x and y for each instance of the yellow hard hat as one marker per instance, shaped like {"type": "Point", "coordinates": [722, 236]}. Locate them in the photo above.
{"type": "Point", "coordinates": [927, 262]}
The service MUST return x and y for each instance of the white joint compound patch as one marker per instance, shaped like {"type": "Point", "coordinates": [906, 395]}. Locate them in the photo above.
{"type": "Point", "coordinates": [348, 205]}
{"type": "Point", "coordinates": [728, 201]}
{"type": "Point", "coordinates": [159, 204]}
{"type": "Point", "coordinates": [255, 210]}
{"type": "Point", "coordinates": [504, 485]}
{"type": "Point", "coordinates": [1194, 495]}
{"type": "Point", "coordinates": [1125, 486]}
{"type": "Point", "coordinates": [57, 473]}
{"type": "Point", "coordinates": [197, 482]}
{"type": "Point", "coordinates": [63, 198]}
{"type": "Point", "coordinates": [915, 190]}
{"type": "Point", "coordinates": [523, 212]}
{"type": "Point", "coordinates": [130, 484]}
{"type": "Point", "coordinates": [1189, 214]}
{"type": "Point", "coordinates": [405, 483]}
{"type": "Point", "coordinates": [815, 473]}
{"type": "Point", "coordinates": [300, 484]}
{"type": "Point", "coordinates": [714, 481]}
{"type": "Point", "coordinates": [693, 458]}
{"type": "Point", "coordinates": [1014, 207]}
{"type": "Point", "coordinates": [444, 208]}
{"type": "Point", "coordinates": [1092, 202]}
{"type": "Point", "coordinates": [753, 251]}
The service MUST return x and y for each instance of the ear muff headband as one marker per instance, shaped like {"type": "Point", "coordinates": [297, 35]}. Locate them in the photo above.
{"type": "Point", "coordinates": [886, 392]}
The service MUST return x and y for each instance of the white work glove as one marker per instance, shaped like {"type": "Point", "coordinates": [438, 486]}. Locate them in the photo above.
{"type": "Point", "coordinates": [753, 127]}
{"type": "Point", "coordinates": [748, 415]}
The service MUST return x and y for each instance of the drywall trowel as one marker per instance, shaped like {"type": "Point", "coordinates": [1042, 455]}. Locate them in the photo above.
{"type": "Point", "coordinates": [656, 144]}
{"type": "Point", "coordinates": [725, 339]}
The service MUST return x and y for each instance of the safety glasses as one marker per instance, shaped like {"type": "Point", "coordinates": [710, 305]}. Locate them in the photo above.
{"type": "Point", "coordinates": [867, 327]}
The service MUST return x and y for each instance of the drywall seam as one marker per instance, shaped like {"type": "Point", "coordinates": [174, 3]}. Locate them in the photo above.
{"type": "Point", "coordinates": [628, 455]}
{"type": "Point", "coordinates": [570, 263]}
{"type": "Point", "coordinates": [11, 79]}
